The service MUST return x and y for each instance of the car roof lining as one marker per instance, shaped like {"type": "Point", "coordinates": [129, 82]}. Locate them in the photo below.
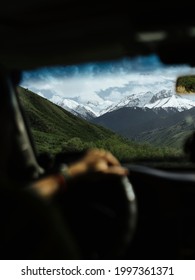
{"type": "Point", "coordinates": [40, 33]}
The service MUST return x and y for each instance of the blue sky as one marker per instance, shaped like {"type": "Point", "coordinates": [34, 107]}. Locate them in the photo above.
{"type": "Point", "coordinates": [107, 80]}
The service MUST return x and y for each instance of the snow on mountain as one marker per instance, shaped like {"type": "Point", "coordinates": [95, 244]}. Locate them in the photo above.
{"type": "Point", "coordinates": [173, 102]}
{"type": "Point", "coordinates": [98, 107]}
{"type": "Point", "coordinates": [161, 94]}
{"type": "Point", "coordinates": [164, 99]}
{"type": "Point", "coordinates": [86, 109]}
{"type": "Point", "coordinates": [67, 104]}
{"type": "Point", "coordinates": [133, 100]}
{"type": "Point", "coordinates": [74, 107]}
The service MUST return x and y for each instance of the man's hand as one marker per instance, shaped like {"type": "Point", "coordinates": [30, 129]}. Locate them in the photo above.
{"type": "Point", "coordinates": [94, 160]}
{"type": "Point", "coordinates": [97, 160]}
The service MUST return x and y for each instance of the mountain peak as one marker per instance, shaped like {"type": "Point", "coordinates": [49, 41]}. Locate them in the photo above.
{"type": "Point", "coordinates": [164, 99]}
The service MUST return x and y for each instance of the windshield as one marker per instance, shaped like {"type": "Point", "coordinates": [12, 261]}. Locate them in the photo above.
{"type": "Point", "coordinates": [128, 106]}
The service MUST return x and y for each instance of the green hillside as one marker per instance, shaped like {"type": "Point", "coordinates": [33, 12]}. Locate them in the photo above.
{"type": "Point", "coordinates": [54, 130]}
{"type": "Point", "coordinates": [173, 136]}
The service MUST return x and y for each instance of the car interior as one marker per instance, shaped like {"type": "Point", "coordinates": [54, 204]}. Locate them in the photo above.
{"type": "Point", "coordinates": [147, 215]}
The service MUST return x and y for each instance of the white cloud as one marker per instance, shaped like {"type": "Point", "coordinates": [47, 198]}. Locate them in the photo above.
{"type": "Point", "coordinates": [90, 82]}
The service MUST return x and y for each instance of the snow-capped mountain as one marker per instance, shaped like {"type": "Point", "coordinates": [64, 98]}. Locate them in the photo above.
{"type": "Point", "coordinates": [133, 100]}
{"type": "Point", "coordinates": [74, 107]}
{"type": "Point", "coordinates": [171, 102]}
{"type": "Point", "coordinates": [163, 99]}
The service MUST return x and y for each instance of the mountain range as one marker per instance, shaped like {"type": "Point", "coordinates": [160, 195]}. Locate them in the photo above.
{"type": "Point", "coordinates": [55, 130]}
{"type": "Point", "coordinates": [144, 117]}
{"type": "Point", "coordinates": [163, 99]}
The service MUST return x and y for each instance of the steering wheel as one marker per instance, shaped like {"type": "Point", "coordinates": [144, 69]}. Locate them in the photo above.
{"type": "Point", "coordinates": [101, 210]}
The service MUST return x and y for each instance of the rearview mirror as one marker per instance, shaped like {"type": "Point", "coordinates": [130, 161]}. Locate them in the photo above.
{"type": "Point", "coordinates": [185, 84]}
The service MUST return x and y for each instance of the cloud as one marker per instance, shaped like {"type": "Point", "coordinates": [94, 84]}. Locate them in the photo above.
{"type": "Point", "coordinates": [103, 81]}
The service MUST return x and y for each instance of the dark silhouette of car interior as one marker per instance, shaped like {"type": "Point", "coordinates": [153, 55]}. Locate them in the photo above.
{"type": "Point", "coordinates": [98, 219]}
